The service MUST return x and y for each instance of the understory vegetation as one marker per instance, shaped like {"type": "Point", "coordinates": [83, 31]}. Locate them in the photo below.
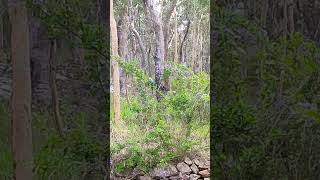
{"type": "Point", "coordinates": [265, 117]}
{"type": "Point", "coordinates": [157, 133]}
{"type": "Point", "coordinates": [78, 155]}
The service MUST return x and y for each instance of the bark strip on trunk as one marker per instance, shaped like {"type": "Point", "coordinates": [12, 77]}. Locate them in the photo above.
{"type": "Point", "coordinates": [21, 97]}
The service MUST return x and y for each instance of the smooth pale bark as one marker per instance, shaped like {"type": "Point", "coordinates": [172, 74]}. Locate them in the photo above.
{"type": "Point", "coordinates": [175, 36]}
{"type": "Point", "coordinates": [166, 29]}
{"type": "Point", "coordinates": [182, 58]}
{"type": "Point", "coordinates": [154, 11]}
{"type": "Point", "coordinates": [150, 34]}
{"type": "Point", "coordinates": [166, 33]}
{"type": "Point", "coordinates": [199, 44]}
{"type": "Point", "coordinates": [21, 97]}
{"type": "Point", "coordinates": [141, 45]}
{"type": "Point", "coordinates": [200, 52]}
{"type": "Point", "coordinates": [123, 48]}
{"type": "Point", "coordinates": [115, 72]}
{"type": "Point", "coordinates": [53, 87]}
{"type": "Point", "coordinates": [193, 54]}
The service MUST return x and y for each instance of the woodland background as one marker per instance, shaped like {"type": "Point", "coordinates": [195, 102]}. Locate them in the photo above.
{"type": "Point", "coordinates": [264, 67]}
{"type": "Point", "coordinates": [55, 93]}
{"type": "Point", "coordinates": [265, 89]}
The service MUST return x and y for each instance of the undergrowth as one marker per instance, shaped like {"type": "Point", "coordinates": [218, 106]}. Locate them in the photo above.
{"type": "Point", "coordinates": [266, 121]}
{"type": "Point", "coordinates": [79, 155]}
{"type": "Point", "coordinates": [160, 132]}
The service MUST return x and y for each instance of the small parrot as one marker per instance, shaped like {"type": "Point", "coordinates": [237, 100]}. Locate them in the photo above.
{"type": "Point", "coordinates": [151, 81]}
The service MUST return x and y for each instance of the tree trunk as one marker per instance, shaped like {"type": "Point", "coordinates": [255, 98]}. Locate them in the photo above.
{"type": "Point", "coordinates": [123, 48]}
{"type": "Point", "coordinates": [200, 52]}
{"type": "Point", "coordinates": [21, 98]}
{"type": "Point", "coordinates": [182, 58]}
{"type": "Point", "coordinates": [291, 16]}
{"type": "Point", "coordinates": [166, 29]}
{"type": "Point", "coordinates": [1, 34]}
{"type": "Point", "coordinates": [154, 7]}
{"type": "Point", "coordinates": [40, 46]}
{"type": "Point", "coordinates": [264, 14]}
{"type": "Point", "coordinates": [53, 87]}
{"type": "Point", "coordinates": [141, 45]}
{"type": "Point", "coordinates": [115, 74]}
{"type": "Point", "coordinates": [285, 18]}
{"type": "Point", "coordinates": [175, 36]}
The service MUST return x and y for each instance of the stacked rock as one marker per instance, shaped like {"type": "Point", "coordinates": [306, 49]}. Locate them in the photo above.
{"type": "Point", "coordinates": [196, 169]}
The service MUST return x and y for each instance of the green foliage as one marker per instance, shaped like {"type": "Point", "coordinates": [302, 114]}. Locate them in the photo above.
{"type": "Point", "coordinates": [72, 157]}
{"type": "Point", "coordinates": [70, 20]}
{"type": "Point", "coordinates": [266, 137]}
{"type": "Point", "coordinates": [6, 159]}
{"type": "Point", "coordinates": [55, 158]}
{"type": "Point", "coordinates": [160, 131]}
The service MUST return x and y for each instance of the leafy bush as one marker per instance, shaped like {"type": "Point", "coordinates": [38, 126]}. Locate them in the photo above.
{"type": "Point", "coordinates": [71, 157]}
{"type": "Point", "coordinates": [160, 131]}
{"type": "Point", "coordinates": [6, 159]}
{"type": "Point", "coordinates": [261, 119]}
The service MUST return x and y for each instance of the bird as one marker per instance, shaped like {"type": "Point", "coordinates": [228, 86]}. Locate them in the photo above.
{"type": "Point", "coordinates": [151, 81]}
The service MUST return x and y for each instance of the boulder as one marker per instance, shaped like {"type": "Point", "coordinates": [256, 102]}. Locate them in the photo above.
{"type": "Point", "coordinates": [188, 161]}
{"type": "Point", "coordinates": [204, 173]}
{"type": "Point", "coordinates": [196, 161]}
{"type": "Point", "coordinates": [161, 172]}
{"type": "Point", "coordinates": [174, 177]}
{"type": "Point", "coordinates": [184, 168]}
{"type": "Point", "coordinates": [203, 164]}
{"type": "Point", "coordinates": [194, 177]}
{"type": "Point", "coordinates": [144, 178]}
{"type": "Point", "coordinates": [194, 168]}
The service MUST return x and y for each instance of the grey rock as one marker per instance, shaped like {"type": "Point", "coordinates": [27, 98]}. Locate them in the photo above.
{"type": "Point", "coordinates": [183, 176]}
{"type": "Point", "coordinates": [174, 178]}
{"type": "Point", "coordinates": [196, 161]}
{"type": "Point", "coordinates": [194, 177]}
{"type": "Point", "coordinates": [194, 168]}
{"type": "Point", "coordinates": [184, 168]}
{"type": "Point", "coordinates": [144, 178]}
{"type": "Point", "coordinates": [167, 171]}
{"type": "Point", "coordinates": [203, 164]}
{"type": "Point", "coordinates": [188, 161]}
{"type": "Point", "coordinates": [204, 173]}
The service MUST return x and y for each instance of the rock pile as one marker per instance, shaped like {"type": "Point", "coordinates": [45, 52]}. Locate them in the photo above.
{"type": "Point", "coordinates": [196, 169]}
